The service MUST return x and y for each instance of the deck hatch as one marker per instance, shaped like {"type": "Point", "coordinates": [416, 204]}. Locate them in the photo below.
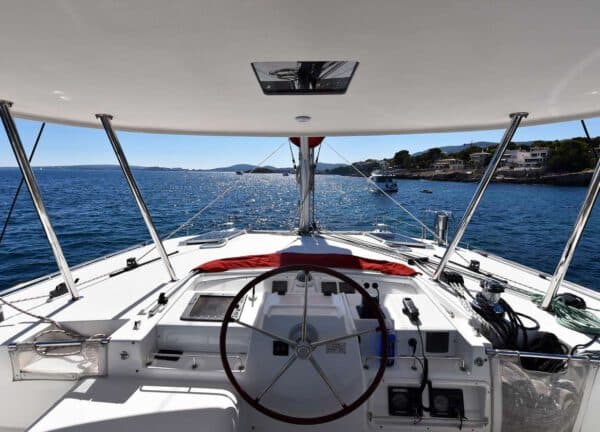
{"type": "Point", "coordinates": [304, 77]}
{"type": "Point", "coordinates": [213, 238]}
{"type": "Point", "coordinates": [210, 307]}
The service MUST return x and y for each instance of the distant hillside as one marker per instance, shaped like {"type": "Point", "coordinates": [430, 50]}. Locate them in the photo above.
{"type": "Point", "coordinates": [482, 144]}
{"type": "Point", "coordinates": [321, 166]}
{"type": "Point", "coordinates": [234, 168]}
{"type": "Point", "coordinates": [107, 166]}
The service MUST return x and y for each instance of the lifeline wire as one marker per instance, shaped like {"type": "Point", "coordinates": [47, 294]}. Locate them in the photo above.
{"type": "Point", "coordinates": [213, 202]}
{"type": "Point", "coordinates": [416, 219]}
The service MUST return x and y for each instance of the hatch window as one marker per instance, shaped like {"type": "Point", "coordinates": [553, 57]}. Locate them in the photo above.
{"type": "Point", "coordinates": [304, 77]}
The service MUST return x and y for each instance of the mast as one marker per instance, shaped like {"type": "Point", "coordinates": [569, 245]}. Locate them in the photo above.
{"type": "Point", "coordinates": [307, 175]}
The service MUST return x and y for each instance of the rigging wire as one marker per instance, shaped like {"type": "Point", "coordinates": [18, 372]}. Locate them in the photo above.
{"type": "Point", "coordinates": [590, 142]}
{"type": "Point", "coordinates": [416, 219]}
{"type": "Point", "coordinates": [292, 155]}
{"type": "Point", "coordinates": [213, 202]}
{"type": "Point", "coordinates": [18, 191]}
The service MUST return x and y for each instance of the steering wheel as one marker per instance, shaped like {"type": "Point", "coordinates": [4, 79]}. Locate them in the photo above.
{"type": "Point", "coordinates": [302, 349]}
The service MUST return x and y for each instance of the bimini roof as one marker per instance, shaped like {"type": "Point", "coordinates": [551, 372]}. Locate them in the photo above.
{"type": "Point", "coordinates": [185, 66]}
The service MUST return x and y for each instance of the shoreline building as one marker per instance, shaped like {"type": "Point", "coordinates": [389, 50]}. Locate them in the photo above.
{"type": "Point", "coordinates": [534, 158]}
{"type": "Point", "coordinates": [448, 164]}
{"type": "Point", "coordinates": [480, 158]}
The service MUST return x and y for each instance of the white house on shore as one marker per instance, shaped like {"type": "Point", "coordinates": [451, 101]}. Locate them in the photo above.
{"type": "Point", "coordinates": [535, 158]}
{"type": "Point", "coordinates": [448, 164]}
{"type": "Point", "coordinates": [479, 158]}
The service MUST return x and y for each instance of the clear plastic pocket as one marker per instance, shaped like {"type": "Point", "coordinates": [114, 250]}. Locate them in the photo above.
{"type": "Point", "coordinates": [539, 401]}
{"type": "Point", "coordinates": [57, 354]}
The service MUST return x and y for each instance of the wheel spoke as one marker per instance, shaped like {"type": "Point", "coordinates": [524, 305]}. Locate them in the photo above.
{"type": "Point", "coordinates": [266, 333]}
{"type": "Point", "coordinates": [324, 378]}
{"type": "Point", "coordinates": [340, 338]}
{"type": "Point", "coordinates": [304, 312]}
{"type": "Point", "coordinates": [285, 367]}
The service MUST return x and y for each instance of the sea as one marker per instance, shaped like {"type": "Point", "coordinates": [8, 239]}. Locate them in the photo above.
{"type": "Point", "coordinates": [94, 214]}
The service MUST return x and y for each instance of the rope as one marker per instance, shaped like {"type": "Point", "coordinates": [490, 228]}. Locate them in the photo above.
{"type": "Point", "coordinates": [14, 201]}
{"type": "Point", "coordinates": [213, 202]}
{"type": "Point", "coordinates": [416, 219]}
{"type": "Point", "coordinates": [30, 298]}
{"type": "Point", "coordinates": [39, 317]}
{"type": "Point", "coordinates": [59, 327]}
{"type": "Point", "coordinates": [570, 317]}
{"type": "Point", "coordinates": [54, 351]}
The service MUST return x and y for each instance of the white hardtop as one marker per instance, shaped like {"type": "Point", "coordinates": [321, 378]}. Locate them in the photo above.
{"type": "Point", "coordinates": [185, 67]}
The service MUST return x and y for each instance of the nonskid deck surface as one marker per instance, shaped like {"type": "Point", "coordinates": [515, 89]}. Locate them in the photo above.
{"type": "Point", "coordinates": [142, 387]}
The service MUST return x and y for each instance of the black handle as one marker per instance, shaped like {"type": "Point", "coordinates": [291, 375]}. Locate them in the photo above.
{"type": "Point", "coordinates": [410, 310]}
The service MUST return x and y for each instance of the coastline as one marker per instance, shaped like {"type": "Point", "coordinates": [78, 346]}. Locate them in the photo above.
{"type": "Point", "coordinates": [581, 178]}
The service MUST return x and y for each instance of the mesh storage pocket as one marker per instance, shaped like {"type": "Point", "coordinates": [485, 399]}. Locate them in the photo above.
{"type": "Point", "coordinates": [539, 401]}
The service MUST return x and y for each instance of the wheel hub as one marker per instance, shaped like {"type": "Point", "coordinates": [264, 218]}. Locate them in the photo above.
{"type": "Point", "coordinates": [303, 350]}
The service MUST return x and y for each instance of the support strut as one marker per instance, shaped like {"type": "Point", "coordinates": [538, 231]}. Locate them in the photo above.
{"type": "Point", "coordinates": [116, 145]}
{"type": "Point", "coordinates": [483, 184]}
{"type": "Point", "coordinates": [580, 223]}
{"type": "Point", "coordinates": [36, 196]}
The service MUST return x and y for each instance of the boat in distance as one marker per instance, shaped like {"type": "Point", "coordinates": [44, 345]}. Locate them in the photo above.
{"type": "Point", "coordinates": [381, 181]}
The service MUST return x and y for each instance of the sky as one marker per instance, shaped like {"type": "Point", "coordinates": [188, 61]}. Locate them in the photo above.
{"type": "Point", "coordinates": [69, 145]}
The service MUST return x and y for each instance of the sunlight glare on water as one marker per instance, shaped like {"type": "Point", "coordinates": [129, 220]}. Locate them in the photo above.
{"type": "Point", "coordinates": [94, 214]}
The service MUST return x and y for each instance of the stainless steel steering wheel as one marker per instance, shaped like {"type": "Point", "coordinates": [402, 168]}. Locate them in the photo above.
{"type": "Point", "coordinates": [302, 349]}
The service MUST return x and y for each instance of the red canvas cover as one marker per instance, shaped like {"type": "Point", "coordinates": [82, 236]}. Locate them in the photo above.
{"type": "Point", "coordinates": [288, 258]}
{"type": "Point", "coordinates": [312, 141]}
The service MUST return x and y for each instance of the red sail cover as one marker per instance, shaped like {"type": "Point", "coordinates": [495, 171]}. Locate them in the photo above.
{"type": "Point", "coordinates": [325, 260]}
{"type": "Point", "coordinates": [312, 141]}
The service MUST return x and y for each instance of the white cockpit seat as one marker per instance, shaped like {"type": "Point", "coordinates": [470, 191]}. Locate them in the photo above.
{"type": "Point", "coordinates": [128, 405]}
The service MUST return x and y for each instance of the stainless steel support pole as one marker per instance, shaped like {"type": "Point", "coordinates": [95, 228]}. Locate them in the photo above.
{"type": "Point", "coordinates": [116, 145]}
{"type": "Point", "coordinates": [36, 196]}
{"type": "Point", "coordinates": [571, 246]}
{"type": "Point", "coordinates": [306, 182]}
{"type": "Point", "coordinates": [483, 184]}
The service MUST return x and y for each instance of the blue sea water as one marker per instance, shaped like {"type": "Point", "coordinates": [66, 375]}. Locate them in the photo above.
{"type": "Point", "coordinates": [94, 214]}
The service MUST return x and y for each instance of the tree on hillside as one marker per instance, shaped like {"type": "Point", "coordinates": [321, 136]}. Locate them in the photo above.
{"type": "Point", "coordinates": [426, 159]}
{"type": "Point", "coordinates": [570, 156]}
{"type": "Point", "coordinates": [401, 159]}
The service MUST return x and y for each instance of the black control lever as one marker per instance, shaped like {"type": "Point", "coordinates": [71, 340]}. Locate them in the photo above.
{"type": "Point", "coordinates": [365, 310]}
{"type": "Point", "coordinates": [410, 310]}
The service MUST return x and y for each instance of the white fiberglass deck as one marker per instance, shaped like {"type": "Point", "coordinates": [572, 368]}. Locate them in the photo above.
{"type": "Point", "coordinates": [143, 390]}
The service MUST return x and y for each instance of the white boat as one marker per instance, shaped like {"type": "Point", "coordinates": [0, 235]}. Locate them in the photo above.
{"type": "Point", "coordinates": [380, 181]}
{"type": "Point", "coordinates": [301, 330]}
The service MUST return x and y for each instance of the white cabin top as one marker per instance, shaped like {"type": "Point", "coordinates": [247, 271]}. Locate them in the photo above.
{"type": "Point", "coordinates": [186, 66]}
